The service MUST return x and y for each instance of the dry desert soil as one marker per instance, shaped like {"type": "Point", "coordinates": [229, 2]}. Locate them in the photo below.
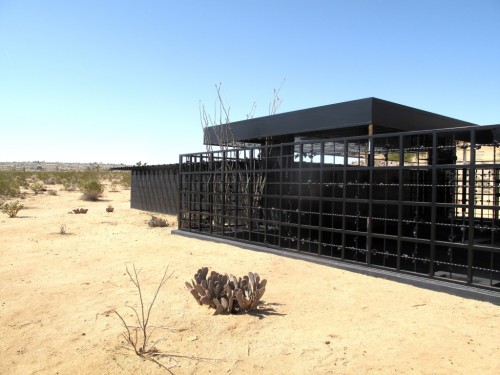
{"type": "Point", "coordinates": [58, 292]}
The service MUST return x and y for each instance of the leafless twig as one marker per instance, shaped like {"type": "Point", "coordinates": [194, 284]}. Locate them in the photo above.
{"type": "Point", "coordinates": [138, 336]}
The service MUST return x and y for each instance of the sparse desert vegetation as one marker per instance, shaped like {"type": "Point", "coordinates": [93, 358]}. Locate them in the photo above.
{"type": "Point", "coordinates": [138, 336]}
{"type": "Point", "coordinates": [13, 183]}
{"type": "Point", "coordinates": [58, 294]}
{"type": "Point", "coordinates": [37, 187]}
{"type": "Point", "coordinates": [158, 222]}
{"type": "Point", "coordinates": [63, 229]}
{"type": "Point", "coordinates": [12, 208]}
{"type": "Point", "coordinates": [227, 293]}
{"type": "Point", "coordinates": [92, 190]}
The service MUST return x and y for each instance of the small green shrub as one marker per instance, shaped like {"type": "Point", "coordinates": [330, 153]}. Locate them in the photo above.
{"type": "Point", "coordinates": [37, 187]}
{"type": "Point", "coordinates": [92, 190]}
{"type": "Point", "coordinates": [12, 208]}
{"type": "Point", "coordinates": [9, 185]}
{"type": "Point", "coordinates": [69, 184]}
{"type": "Point", "coordinates": [126, 180]}
{"type": "Point", "coordinates": [22, 180]}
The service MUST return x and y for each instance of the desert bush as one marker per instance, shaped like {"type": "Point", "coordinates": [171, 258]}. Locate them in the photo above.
{"type": "Point", "coordinates": [92, 190]}
{"type": "Point", "coordinates": [126, 180]}
{"type": "Point", "coordinates": [52, 192]}
{"type": "Point", "coordinates": [138, 336]}
{"type": "Point", "coordinates": [226, 293]}
{"type": "Point", "coordinates": [49, 179]}
{"type": "Point", "coordinates": [80, 210]}
{"type": "Point", "coordinates": [68, 179]}
{"type": "Point", "coordinates": [12, 208]}
{"type": "Point", "coordinates": [9, 184]}
{"type": "Point", "coordinates": [62, 229]}
{"type": "Point", "coordinates": [110, 208]}
{"type": "Point", "coordinates": [158, 222]}
{"type": "Point", "coordinates": [37, 187]}
{"type": "Point", "coordinates": [23, 180]}
{"type": "Point", "coordinates": [69, 184]}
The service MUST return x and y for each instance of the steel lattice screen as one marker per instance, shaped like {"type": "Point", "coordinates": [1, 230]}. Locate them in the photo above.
{"type": "Point", "coordinates": [421, 202]}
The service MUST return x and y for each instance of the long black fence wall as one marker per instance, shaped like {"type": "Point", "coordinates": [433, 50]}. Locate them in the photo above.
{"type": "Point", "coordinates": [155, 188]}
{"type": "Point", "coordinates": [423, 203]}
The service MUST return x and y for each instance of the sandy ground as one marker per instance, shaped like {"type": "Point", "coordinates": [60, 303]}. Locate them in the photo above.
{"type": "Point", "coordinates": [57, 293]}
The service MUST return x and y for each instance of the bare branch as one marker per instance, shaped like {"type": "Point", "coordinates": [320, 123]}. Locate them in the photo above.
{"type": "Point", "coordinates": [142, 318]}
{"type": "Point", "coordinates": [274, 105]}
{"type": "Point", "coordinates": [128, 336]}
{"type": "Point", "coordinates": [251, 114]}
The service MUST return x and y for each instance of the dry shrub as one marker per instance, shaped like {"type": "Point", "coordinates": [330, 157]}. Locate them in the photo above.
{"type": "Point", "coordinates": [138, 336]}
{"type": "Point", "coordinates": [92, 190]}
{"type": "Point", "coordinates": [62, 229]}
{"type": "Point", "coordinates": [37, 187]}
{"type": "Point", "coordinates": [69, 185]}
{"type": "Point", "coordinates": [12, 208]}
{"type": "Point", "coordinates": [158, 222]}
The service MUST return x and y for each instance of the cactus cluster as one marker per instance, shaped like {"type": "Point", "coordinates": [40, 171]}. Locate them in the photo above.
{"type": "Point", "coordinates": [227, 293]}
{"type": "Point", "coordinates": [158, 222]}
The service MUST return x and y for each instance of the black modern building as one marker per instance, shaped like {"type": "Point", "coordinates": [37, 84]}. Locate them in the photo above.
{"type": "Point", "coordinates": [366, 182]}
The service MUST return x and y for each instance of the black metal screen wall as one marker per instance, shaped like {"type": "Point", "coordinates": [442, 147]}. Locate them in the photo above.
{"type": "Point", "coordinates": [155, 188]}
{"type": "Point", "coordinates": [425, 203]}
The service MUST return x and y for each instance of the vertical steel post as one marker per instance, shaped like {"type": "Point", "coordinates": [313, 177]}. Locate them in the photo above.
{"type": "Point", "coordinates": [432, 254]}
{"type": "Point", "coordinates": [370, 165]}
{"type": "Point", "coordinates": [471, 197]}
{"type": "Point", "coordinates": [400, 200]}
{"type": "Point", "coordinates": [344, 188]}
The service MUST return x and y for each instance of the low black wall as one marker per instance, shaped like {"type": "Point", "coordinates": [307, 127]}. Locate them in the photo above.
{"type": "Point", "coordinates": [155, 188]}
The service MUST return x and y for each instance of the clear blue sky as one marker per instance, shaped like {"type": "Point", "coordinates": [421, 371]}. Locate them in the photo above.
{"type": "Point", "coordinates": [121, 81]}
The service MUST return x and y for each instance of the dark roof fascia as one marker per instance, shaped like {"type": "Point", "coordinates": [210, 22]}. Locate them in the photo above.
{"type": "Point", "coordinates": [381, 113]}
{"type": "Point", "coordinates": [402, 117]}
{"type": "Point", "coordinates": [328, 117]}
{"type": "Point", "coordinates": [146, 167]}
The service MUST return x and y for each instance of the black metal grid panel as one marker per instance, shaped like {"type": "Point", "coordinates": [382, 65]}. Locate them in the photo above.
{"type": "Point", "coordinates": [425, 203]}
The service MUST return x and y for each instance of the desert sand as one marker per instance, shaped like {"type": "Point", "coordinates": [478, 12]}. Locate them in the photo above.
{"type": "Point", "coordinates": [58, 292]}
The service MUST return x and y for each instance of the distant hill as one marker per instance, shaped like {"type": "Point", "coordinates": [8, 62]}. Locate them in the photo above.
{"type": "Point", "coordinates": [54, 166]}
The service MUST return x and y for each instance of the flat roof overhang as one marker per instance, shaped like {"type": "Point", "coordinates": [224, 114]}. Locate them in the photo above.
{"type": "Point", "coordinates": [356, 115]}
